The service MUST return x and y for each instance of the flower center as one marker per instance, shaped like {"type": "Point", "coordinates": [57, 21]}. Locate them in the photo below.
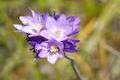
{"type": "Point", "coordinates": [57, 32]}
{"type": "Point", "coordinates": [37, 27]}
{"type": "Point", "coordinates": [54, 49]}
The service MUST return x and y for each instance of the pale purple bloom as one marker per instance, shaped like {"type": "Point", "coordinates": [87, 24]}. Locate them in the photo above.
{"type": "Point", "coordinates": [60, 27]}
{"type": "Point", "coordinates": [33, 24]}
{"type": "Point", "coordinates": [51, 49]}
{"type": "Point", "coordinates": [50, 35]}
{"type": "Point", "coordinates": [69, 44]}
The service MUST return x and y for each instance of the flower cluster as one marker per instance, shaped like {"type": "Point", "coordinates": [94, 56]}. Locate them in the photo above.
{"type": "Point", "coordinates": [50, 35]}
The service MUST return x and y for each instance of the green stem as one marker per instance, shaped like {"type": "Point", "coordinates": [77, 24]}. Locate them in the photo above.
{"type": "Point", "coordinates": [74, 67]}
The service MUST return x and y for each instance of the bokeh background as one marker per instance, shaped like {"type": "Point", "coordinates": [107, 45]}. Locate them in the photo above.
{"type": "Point", "coordinates": [98, 57]}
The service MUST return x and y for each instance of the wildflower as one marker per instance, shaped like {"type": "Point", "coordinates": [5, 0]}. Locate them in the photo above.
{"type": "Point", "coordinates": [32, 25]}
{"type": "Point", "coordinates": [61, 27]}
{"type": "Point", "coordinates": [50, 35]}
{"type": "Point", "coordinates": [51, 49]}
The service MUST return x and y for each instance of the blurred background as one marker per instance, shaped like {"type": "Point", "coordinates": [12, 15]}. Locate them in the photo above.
{"type": "Point", "coordinates": [98, 57]}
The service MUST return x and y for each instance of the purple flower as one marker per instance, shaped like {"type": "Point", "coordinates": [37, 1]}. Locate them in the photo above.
{"type": "Point", "coordinates": [50, 35]}
{"type": "Point", "coordinates": [51, 49]}
{"type": "Point", "coordinates": [58, 27]}
{"type": "Point", "coordinates": [69, 44]}
{"type": "Point", "coordinates": [33, 24]}
{"type": "Point", "coordinates": [62, 27]}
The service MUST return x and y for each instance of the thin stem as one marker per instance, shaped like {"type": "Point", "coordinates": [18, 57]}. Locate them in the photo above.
{"type": "Point", "coordinates": [75, 69]}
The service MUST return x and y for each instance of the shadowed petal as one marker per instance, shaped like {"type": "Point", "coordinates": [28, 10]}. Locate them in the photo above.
{"type": "Point", "coordinates": [70, 45]}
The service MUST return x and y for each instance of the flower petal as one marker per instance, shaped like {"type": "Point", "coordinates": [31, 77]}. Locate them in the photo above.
{"type": "Point", "coordinates": [17, 26]}
{"type": "Point", "coordinates": [43, 54]}
{"type": "Point", "coordinates": [55, 30]}
{"type": "Point", "coordinates": [70, 45]}
{"type": "Point", "coordinates": [26, 19]}
{"type": "Point", "coordinates": [28, 29]}
{"type": "Point", "coordinates": [36, 39]}
{"type": "Point", "coordinates": [52, 58]}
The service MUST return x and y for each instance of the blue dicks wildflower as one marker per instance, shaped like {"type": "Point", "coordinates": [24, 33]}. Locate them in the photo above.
{"type": "Point", "coordinates": [50, 35]}
{"type": "Point", "coordinates": [51, 49]}
{"type": "Point", "coordinates": [33, 24]}
{"type": "Point", "coordinates": [62, 27]}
